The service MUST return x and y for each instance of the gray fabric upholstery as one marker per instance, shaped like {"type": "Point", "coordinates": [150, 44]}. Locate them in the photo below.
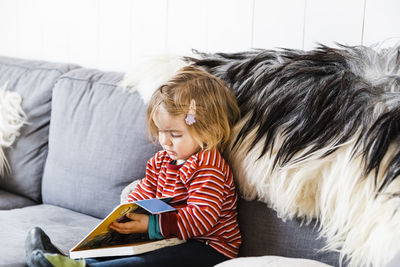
{"type": "Point", "coordinates": [64, 227]}
{"type": "Point", "coordinates": [34, 81]}
{"type": "Point", "coordinates": [98, 142]}
{"type": "Point", "coordinates": [12, 201]}
{"type": "Point", "coordinates": [263, 233]}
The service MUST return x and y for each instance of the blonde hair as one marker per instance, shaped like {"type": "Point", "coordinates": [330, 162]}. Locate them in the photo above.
{"type": "Point", "coordinates": [216, 107]}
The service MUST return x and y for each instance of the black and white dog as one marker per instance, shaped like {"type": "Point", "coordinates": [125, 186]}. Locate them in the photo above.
{"type": "Point", "coordinates": [320, 138]}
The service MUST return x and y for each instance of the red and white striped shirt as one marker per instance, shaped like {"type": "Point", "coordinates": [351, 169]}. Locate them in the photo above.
{"type": "Point", "coordinates": [203, 191]}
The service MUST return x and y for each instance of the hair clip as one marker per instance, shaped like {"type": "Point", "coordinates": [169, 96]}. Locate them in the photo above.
{"type": "Point", "coordinates": [190, 117]}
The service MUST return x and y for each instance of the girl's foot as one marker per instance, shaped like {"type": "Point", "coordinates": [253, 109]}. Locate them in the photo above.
{"type": "Point", "coordinates": [40, 259]}
{"type": "Point", "coordinates": [37, 243]}
{"type": "Point", "coordinates": [37, 239]}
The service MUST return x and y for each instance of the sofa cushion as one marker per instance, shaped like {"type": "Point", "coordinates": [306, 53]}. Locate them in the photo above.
{"type": "Point", "coordinates": [34, 81]}
{"type": "Point", "coordinates": [263, 233]}
{"type": "Point", "coordinates": [98, 142]}
{"type": "Point", "coordinates": [64, 227]}
{"type": "Point", "coordinates": [13, 201]}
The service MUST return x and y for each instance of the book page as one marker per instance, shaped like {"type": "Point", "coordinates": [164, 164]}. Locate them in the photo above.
{"type": "Point", "coordinates": [103, 236]}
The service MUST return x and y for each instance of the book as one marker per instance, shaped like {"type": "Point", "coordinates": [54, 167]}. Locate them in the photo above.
{"type": "Point", "coordinates": [105, 242]}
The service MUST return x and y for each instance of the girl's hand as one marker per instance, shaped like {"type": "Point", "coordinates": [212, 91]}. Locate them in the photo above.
{"type": "Point", "coordinates": [139, 224]}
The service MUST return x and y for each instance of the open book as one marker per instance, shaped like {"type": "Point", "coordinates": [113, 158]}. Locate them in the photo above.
{"type": "Point", "coordinates": [105, 242]}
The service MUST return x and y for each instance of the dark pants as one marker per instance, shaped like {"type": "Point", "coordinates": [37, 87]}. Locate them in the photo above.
{"type": "Point", "coordinates": [192, 253]}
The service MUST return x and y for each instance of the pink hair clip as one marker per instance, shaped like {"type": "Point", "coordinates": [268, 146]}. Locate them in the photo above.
{"type": "Point", "coordinates": [190, 117]}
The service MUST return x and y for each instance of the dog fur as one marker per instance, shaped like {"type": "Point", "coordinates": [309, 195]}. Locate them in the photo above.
{"type": "Point", "coordinates": [12, 118]}
{"type": "Point", "coordinates": [320, 138]}
{"type": "Point", "coordinates": [150, 72]}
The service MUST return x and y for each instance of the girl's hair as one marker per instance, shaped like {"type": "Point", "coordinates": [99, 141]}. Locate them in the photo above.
{"type": "Point", "coordinates": [216, 107]}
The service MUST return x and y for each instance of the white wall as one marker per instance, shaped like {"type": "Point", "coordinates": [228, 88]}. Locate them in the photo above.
{"type": "Point", "coordinates": [111, 34]}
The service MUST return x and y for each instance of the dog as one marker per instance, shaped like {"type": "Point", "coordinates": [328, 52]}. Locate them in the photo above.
{"type": "Point", "coordinates": [319, 139]}
{"type": "Point", "coordinates": [12, 118]}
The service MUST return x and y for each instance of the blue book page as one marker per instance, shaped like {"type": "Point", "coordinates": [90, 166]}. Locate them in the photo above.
{"type": "Point", "coordinates": [154, 205]}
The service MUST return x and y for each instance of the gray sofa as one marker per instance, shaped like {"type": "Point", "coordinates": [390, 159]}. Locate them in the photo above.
{"type": "Point", "coordinates": [85, 141]}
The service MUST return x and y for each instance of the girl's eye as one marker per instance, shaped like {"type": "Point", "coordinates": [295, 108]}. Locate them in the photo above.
{"type": "Point", "coordinates": [176, 135]}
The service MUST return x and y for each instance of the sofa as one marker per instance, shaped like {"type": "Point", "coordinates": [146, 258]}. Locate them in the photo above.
{"type": "Point", "coordinates": [84, 141]}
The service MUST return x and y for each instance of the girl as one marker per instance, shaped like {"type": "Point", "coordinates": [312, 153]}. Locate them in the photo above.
{"type": "Point", "coordinates": [191, 116]}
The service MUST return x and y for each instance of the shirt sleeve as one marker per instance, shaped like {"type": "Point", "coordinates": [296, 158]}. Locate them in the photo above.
{"type": "Point", "coordinates": [147, 187]}
{"type": "Point", "coordinates": [203, 209]}
{"type": "Point", "coordinates": [154, 229]}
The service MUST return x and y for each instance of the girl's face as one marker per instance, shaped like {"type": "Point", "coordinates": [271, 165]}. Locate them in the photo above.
{"type": "Point", "coordinates": [174, 136]}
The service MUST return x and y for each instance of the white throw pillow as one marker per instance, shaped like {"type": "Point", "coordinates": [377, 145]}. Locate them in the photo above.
{"type": "Point", "coordinates": [12, 117]}
{"type": "Point", "coordinates": [271, 261]}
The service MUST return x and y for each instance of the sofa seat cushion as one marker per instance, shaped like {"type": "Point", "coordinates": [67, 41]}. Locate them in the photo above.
{"type": "Point", "coordinates": [98, 142]}
{"type": "Point", "coordinates": [263, 233]}
{"type": "Point", "coordinates": [64, 227]}
{"type": "Point", "coordinates": [13, 201]}
{"type": "Point", "coordinates": [34, 81]}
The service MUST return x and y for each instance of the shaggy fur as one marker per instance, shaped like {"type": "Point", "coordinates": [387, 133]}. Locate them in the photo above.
{"type": "Point", "coordinates": [150, 72]}
{"type": "Point", "coordinates": [12, 117]}
{"type": "Point", "coordinates": [320, 138]}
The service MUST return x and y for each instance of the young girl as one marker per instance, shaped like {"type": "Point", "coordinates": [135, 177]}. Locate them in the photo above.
{"type": "Point", "coordinates": [191, 116]}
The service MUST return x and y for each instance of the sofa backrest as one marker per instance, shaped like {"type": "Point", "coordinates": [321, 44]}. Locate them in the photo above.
{"type": "Point", "coordinates": [98, 142]}
{"type": "Point", "coordinates": [34, 81]}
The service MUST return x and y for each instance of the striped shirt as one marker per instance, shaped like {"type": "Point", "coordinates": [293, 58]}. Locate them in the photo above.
{"type": "Point", "coordinates": [203, 191]}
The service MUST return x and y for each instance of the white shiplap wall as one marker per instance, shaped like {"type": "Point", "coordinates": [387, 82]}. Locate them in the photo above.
{"type": "Point", "coordinates": [112, 34]}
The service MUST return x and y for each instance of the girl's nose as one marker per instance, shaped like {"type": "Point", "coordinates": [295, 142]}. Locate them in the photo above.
{"type": "Point", "coordinates": [164, 140]}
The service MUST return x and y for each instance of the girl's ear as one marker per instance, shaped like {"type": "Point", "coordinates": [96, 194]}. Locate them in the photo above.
{"type": "Point", "coordinates": [202, 146]}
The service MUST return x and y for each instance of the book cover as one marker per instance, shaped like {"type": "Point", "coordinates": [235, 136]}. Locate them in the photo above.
{"type": "Point", "coordinates": [105, 242]}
